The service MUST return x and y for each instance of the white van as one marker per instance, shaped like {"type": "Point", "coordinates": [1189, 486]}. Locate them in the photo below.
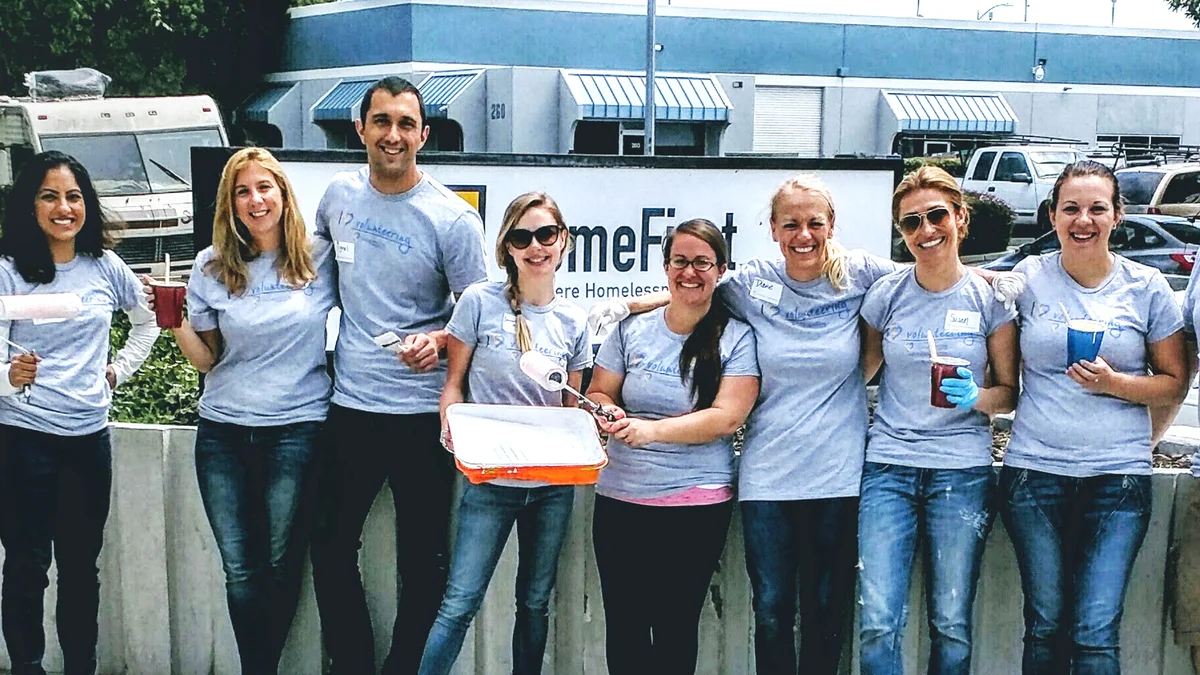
{"type": "Point", "coordinates": [1021, 175]}
{"type": "Point", "coordinates": [138, 152]}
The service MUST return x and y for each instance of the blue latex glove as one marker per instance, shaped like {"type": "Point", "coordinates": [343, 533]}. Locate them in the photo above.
{"type": "Point", "coordinates": [961, 390]}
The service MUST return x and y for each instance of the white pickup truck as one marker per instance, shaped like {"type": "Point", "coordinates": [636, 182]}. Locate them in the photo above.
{"type": "Point", "coordinates": [1021, 175]}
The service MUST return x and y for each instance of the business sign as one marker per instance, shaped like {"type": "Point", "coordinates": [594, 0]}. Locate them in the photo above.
{"type": "Point", "coordinates": [618, 209]}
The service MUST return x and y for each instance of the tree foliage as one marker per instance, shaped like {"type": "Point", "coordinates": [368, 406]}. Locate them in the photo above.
{"type": "Point", "coordinates": [1191, 8]}
{"type": "Point", "coordinates": [148, 47]}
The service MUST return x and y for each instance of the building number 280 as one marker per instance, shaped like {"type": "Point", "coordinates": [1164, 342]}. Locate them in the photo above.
{"type": "Point", "coordinates": [498, 111]}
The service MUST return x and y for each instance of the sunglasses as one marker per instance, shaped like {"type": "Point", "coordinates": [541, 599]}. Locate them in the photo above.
{"type": "Point", "coordinates": [521, 239]}
{"type": "Point", "coordinates": [912, 221]}
{"type": "Point", "coordinates": [699, 264]}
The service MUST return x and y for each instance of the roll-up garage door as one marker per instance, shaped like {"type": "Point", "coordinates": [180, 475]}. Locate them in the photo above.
{"type": "Point", "coordinates": [788, 119]}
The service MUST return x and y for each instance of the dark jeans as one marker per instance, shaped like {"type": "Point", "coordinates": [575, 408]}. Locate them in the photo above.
{"type": "Point", "coordinates": [950, 512]}
{"type": "Point", "coordinates": [485, 517]}
{"type": "Point", "coordinates": [1076, 540]}
{"type": "Point", "coordinates": [56, 496]}
{"type": "Point", "coordinates": [655, 565]}
{"type": "Point", "coordinates": [366, 450]}
{"type": "Point", "coordinates": [256, 485]}
{"type": "Point", "coordinates": [818, 539]}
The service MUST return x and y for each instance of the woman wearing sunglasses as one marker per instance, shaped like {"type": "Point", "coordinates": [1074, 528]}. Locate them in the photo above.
{"type": "Point", "coordinates": [1075, 488]}
{"type": "Point", "coordinates": [493, 324]}
{"type": "Point", "coordinates": [928, 473]}
{"type": "Point", "coordinates": [680, 380]}
{"type": "Point", "coordinates": [802, 459]}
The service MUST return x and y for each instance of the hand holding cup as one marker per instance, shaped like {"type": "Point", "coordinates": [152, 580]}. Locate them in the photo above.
{"type": "Point", "coordinates": [1096, 376]}
{"type": "Point", "coordinates": [961, 389]}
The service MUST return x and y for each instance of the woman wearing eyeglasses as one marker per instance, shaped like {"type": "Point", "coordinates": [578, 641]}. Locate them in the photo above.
{"type": "Point", "coordinates": [493, 324]}
{"type": "Point", "coordinates": [801, 462]}
{"type": "Point", "coordinates": [928, 473]}
{"type": "Point", "coordinates": [680, 379]}
{"type": "Point", "coordinates": [1075, 488]}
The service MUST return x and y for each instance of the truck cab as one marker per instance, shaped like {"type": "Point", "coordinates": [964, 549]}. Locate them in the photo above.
{"type": "Point", "coordinates": [138, 152]}
{"type": "Point", "coordinates": [1021, 175]}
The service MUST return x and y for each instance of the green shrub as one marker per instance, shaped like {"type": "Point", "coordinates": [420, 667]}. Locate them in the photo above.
{"type": "Point", "coordinates": [952, 165]}
{"type": "Point", "coordinates": [165, 390]}
{"type": "Point", "coordinates": [990, 229]}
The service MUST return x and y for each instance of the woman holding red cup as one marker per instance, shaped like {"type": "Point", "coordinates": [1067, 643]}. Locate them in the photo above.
{"type": "Point", "coordinates": [928, 471]}
{"type": "Point", "coordinates": [257, 300]}
{"type": "Point", "coordinates": [55, 392]}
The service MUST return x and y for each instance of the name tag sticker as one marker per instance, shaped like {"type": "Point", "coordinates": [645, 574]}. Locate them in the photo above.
{"type": "Point", "coordinates": [343, 251]}
{"type": "Point", "coordinates": [509, 325]}
{"type": "Point", "coordinates": [766, 291]}
{"type": "Point", "coordinates": [960, 321]}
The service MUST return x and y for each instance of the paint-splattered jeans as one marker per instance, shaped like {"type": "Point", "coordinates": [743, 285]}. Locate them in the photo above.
{"type": "Point", "coordinates": [1076, 540]}
{"type": "Point", "coordinates": [950, 511]}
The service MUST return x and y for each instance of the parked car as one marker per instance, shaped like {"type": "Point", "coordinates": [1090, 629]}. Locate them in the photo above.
{"type": "Point", "coordinates": [1165, 242]}
{"type": "Point", "coordinates": [1021, 175]}
{"type": "Point", "coordinates": [1169, 189]}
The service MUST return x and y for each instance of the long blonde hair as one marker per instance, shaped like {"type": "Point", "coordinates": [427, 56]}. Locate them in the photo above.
{"type": "Point", "coordinates": [833, 262]}
{"type": "Point", "coordinates": [512, 289]}
{"type": "Point", "coordinates": [234, 248]}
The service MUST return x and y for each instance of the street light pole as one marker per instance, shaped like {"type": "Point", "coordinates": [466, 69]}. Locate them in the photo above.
{"type": "Point", "coordinates": [1026, 11]}
{"type": "Point", "coordinates": [1114, 12]}
{"type": "Point", "coordinates": [651, 54]}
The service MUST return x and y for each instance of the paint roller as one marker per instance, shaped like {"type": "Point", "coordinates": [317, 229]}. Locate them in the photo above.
{"type": "Point", "coordinates": [38, 307]}
{"type": "Point", "coordinates": [553, 377]}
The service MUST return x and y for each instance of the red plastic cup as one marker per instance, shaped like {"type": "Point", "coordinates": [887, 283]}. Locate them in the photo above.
{"type": "Point", "coordinates": [943, 367]}
{"type": "Point", "coordinates": [168, 302]}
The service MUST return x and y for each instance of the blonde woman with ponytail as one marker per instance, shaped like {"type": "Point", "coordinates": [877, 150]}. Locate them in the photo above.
{"type": "Point", "coordinates": [802, 459]}
{"type": "Point", "coordinates": [493, 324]}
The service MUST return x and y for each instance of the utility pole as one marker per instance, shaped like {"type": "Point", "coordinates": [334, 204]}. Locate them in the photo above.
{"type": "Point", "coordinates": [651, 55]}
{"type": "Point", "coordinates": [1026, 11]}
{"type": "Point", "coordinates": [1114, 12]}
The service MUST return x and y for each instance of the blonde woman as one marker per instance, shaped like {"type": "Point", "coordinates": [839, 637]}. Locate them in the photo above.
{"type": "Point", "coordinates": [493, 324]}
{"type": "Point", "coordinates": [802, 459]}
{"type": "Point", "coordinates": [257, 304]}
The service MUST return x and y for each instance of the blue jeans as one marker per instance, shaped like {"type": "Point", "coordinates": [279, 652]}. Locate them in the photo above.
{"type": "Point", "coordinates": [1076, 540]}
{"type": "Point", "coordinates": [55, 501]}
{"type": "Point", "coordinates": [817, 539]}
{"type": "Point", "coordinates": [256, 487]}
{"type": "Point", "coordinates": [485, 518]}
{"type": "Point", "coordinates": [950, 512]}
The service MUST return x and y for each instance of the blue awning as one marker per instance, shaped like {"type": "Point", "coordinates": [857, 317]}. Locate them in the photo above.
{"type": "Point", "coordinates": [440, 89]}
{"type": "Point", "coordinates": [257, 108]}
{"type": "Point", "coordinates": [340, 104]}
{"type": "Point", "coordinates": [690, 98]}
{"type": "Point", "coordinates": [955, 113]}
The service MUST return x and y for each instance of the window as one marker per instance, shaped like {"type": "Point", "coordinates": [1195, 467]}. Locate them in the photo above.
{"type": "Point", "coordinates": [1011, 164]}
{"type": "Point", "coordinates": [1185, 232]}
{"type": "Point", "coordinates": [137, 163]}
{"type": "Point", "coordinates": [1184, 188]}
{"type": "Point", "coordinates": [983, 168]}
{"type": "Point", "coordinates": [1138, 140]}
{"type": "Point", "coordinates": [1050, 164]}
{"type": "Point", "coordinates": [1138, 187]}
{"type": "Point", "coordinates": [937, 148]}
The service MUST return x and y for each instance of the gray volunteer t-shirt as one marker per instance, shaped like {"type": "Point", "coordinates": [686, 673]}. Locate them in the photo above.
{"type": "Point", "coordinates": [272, 368]}
{"type": "Point", "coordinates": [646, 352]}
{"type": "Point", "coordinates": [483, 320]}
{"type": "Point", "coordinates": [70, 396]}
{"type": "Point", "coordinates": [908, 430]}
{"type": "Point", "coordinates": [1189, 326]}
{"type": "Point", "coordinates": [399, 258]}
{"type": "Point", "coordinates": [1060, 427]}
{"type": "Point", "coordinates": [805, 438]}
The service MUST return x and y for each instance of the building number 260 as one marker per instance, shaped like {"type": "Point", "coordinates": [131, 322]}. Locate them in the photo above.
{"type": "Point", "coordinates": [498, 111]}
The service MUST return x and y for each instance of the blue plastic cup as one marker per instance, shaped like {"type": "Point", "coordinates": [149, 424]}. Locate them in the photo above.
{"type": "Point", "coordinates": [1083, 340]}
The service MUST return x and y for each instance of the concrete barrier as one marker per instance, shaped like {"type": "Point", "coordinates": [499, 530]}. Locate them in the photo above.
{"type": "Point", "coordinates": [163, 603]}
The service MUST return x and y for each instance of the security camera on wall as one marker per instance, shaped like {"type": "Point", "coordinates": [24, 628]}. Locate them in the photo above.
{"type": "Point", "coordinates": [1039, 71]}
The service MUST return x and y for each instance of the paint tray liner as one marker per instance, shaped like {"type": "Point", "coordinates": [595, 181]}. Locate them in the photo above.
{"type": "Point", "coordinates": [554, 445]}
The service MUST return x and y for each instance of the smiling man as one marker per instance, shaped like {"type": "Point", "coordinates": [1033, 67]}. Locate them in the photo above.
{"type": "Point", "coordinates": [406, 247]}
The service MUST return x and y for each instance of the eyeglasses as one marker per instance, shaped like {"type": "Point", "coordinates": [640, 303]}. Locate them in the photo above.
{"type": "Point", "coordinates": [912, 221]}
{"type": "Point", "coordinates": [521, 239]}
{"type": "Point", "coordinates": [699, 264]}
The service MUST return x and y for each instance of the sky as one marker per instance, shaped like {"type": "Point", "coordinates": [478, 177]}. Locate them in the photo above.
{"type": "Point", "coordinates": [1129, 13]}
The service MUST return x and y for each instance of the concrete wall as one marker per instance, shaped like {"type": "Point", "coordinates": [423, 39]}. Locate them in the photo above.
{"type": "Point", "coordinates": [163, 607]}
{"type": "Point", "coordinates": [533, 113]}
{"type": "Point", "coordinates": [739, 135]}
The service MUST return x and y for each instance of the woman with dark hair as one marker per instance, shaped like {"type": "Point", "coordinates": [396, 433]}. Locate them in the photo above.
{"type": "Point", "coordinates": [1075, 488]}
{"type": "Point", "coordinates": [54, 402]}
{"type": "Point", "coordinates": [257, 300]}
{"type": "Point", "coordinates": [494, 323]}
{"type": "Point", "coordinates": [680, 379]}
